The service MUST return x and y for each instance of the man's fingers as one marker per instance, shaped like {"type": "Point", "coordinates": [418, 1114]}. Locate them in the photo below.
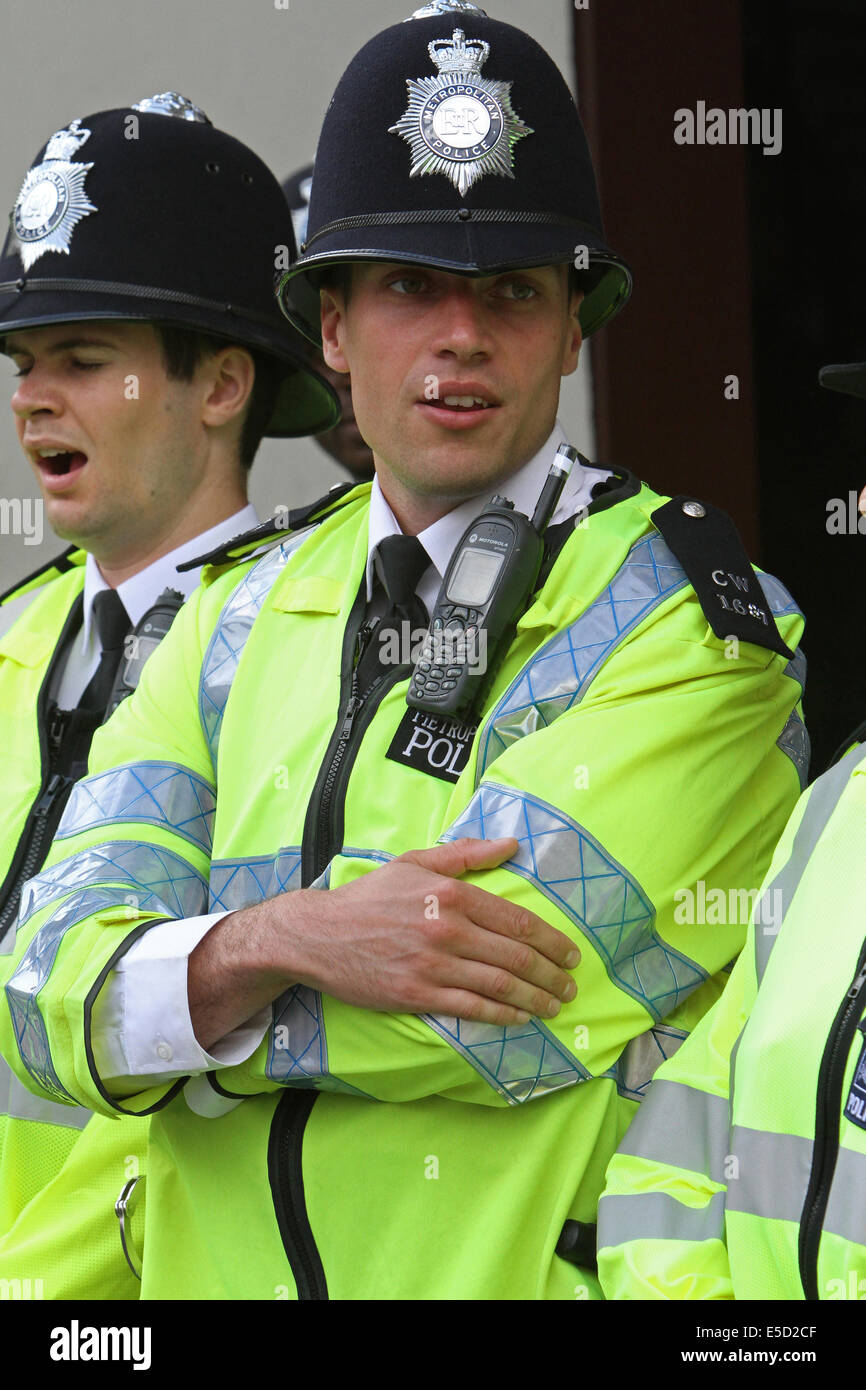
{"type": "Point", "coordinates": [498, 985]}
{"type": "Point", "coordinates": [510, 920]}
{"type": "Point", "coordinates": [462, 1003]}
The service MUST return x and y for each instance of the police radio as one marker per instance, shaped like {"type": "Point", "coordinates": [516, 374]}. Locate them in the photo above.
{"type": "Point", "coordinates": [140, 643]}
{"type": "Point", "coordinates": [489, 581]}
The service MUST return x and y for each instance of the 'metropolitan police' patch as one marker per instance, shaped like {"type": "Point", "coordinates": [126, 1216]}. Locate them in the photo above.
{"type": "Point", "coordinates": [460, 124]}
{"type": "Point", "coordinates": [855, 1105]}
{"type": "Point", "coordinates": [52, 198]}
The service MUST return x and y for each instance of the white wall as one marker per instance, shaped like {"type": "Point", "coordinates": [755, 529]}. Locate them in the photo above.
{"type": "Point", "coordinates": [262, 73]}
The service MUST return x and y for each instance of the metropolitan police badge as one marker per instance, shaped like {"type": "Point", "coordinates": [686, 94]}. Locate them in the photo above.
{"type": "Point", "coordinates": [52, 198]}
{"type": "Point", "coordinates": [460, 124]}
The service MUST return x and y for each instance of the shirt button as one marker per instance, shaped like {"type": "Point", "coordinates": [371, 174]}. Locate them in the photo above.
{"type": "Point", "coordinates": [164, 1052]}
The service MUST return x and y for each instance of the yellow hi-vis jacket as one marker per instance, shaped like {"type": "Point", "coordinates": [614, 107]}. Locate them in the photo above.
{"type": "Point", "coordinates": [361, 1154]}
{"type": "Point", "coordinates": [744, 1174]}
{"type": "Point", "coordinates": [59, 1174]}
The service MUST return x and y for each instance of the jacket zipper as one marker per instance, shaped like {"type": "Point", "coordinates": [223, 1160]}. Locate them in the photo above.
{"type": "Point", "coordinates": [321, 840]}
{"type": "Point", "coordinates": [41, 825]}
{"type": "Point", "coordinates": [826, 1146]}
{"type": "Point", "coordinates": [44, 816]}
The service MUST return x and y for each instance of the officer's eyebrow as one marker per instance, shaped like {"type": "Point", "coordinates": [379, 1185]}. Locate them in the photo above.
{"type": "Point", "coordinates": [68, 344]}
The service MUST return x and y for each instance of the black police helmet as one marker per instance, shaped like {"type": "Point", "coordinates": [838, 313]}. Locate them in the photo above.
{"type": "Point", "coordinates": [478, 168]}
{"type": "Point", "coordinates": [130, 215]}
{"type": "Point", "coordinates": [849, 377]}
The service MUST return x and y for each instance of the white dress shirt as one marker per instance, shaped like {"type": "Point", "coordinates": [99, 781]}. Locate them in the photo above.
{"type": "Point", "coordinates": [138, 593]}
{"type": "Point", "coordinates": [142, 1033]}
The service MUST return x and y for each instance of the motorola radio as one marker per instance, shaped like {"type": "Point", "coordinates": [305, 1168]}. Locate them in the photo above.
{"type": "Point", "coordinates": [490, 579]}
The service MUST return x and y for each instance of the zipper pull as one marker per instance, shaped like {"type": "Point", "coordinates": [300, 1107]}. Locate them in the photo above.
{"type": "Point", "coordinates": [349, 718]}
{"type": "Point", "coordinates": [365, 631]}
{"type": "Point", "coordinates": [858, 983]}
{"type": "Point", "coordinates": [56, 785]}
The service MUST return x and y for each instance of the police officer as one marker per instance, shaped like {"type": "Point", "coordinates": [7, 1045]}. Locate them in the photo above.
{"type": "Point", "coordinates": [140, 403]}
{"type": "Point", "coordinates": [344, 443]}
{"type": "Point", "coordinates": [745, 1172]}
{"type": "Point", "coordinates": [635, 730]}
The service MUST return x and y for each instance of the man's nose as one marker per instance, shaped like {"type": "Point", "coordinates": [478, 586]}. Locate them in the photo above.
{"type": "Point", "coordinates": [463, 326]}
{"type": "Point", "coordinates": [34, 393]}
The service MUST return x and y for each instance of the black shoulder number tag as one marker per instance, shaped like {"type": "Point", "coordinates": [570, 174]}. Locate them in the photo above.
{"type": "Point", "coordinates": [708, 546]}
{"type": "Point", "coordinates": [855, 1105]}
{"type": "Point", "coordinates": [436, 744]}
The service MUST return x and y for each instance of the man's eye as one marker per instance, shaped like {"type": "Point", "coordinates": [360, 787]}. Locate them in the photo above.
{"type": "Point", "coordinates": [407, 284]}
{"type": "Point", "coordinates": [21, 371]}
{"type": "Point", "coordinates": [86, 366]}
{"type": "Point", "coordinates": [521, 290]}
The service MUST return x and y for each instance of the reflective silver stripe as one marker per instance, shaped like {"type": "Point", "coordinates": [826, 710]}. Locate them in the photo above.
{"type": "Point", "coordinates": [20, 1104]}
{"type": "Point", "coordinates": [795, 744]}
{"type": "Point", "coordinates": [520, 1061]}
{"type": "Point", "coordinates": [236, 883]}
{"type": "Point", "coordinates": [846, 1209]}
{"type": "Point", "coordinates": [231, 632]}
{"type": "Point", "coordinates": [641, 1058]}
{"type": "Point", "coordinates": [146, 877]}
{"type": "Point", "coordinates": [30, 975]}
{"type": "Point", "coordinates": [561, 671]}
{"type": "Point", "coordinates": [596, 893]}
{"type": "Point", "coordinates": [656, 1216]}
{"type": "Point", "coordinates": [822, 802]}
{"type": "Point", "coordinates": [155, 793]}
{"type": "Point", "coordinates": [683, 1128]}
{"type": "Point", "coordinates": [298, 1050]}
{"type": "Point", "coordinates": [780, 600]}
{"type": "Point", "coordinates": [770, 1175]}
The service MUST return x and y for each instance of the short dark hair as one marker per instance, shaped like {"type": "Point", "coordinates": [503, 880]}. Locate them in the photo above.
{"type": "Point", "coordinates": [183, 349]}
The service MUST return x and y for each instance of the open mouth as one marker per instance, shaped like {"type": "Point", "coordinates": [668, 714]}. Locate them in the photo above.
{"type": "Point", "coordinates": [59, 463]}
{"type": "Point", "coordinates": [461, 404]}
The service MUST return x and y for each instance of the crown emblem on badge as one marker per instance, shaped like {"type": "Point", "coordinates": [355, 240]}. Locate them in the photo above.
{"type": "Point", "coordinates": [173, 104]}
{"type": "Point", "coordinates": [456, 55]}
{"type": "Point", "coordinates": [460, 123]}
{"type": "Point", "coordinates": [52, 200]}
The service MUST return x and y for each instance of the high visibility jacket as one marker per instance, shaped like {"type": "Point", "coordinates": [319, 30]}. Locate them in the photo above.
{"type": "Point", "coordinates": [58, 1232]}
{"type": "Point", "coordinates": [755, 1186]}
{"type": "Point", "coordinates": [366, 1154]}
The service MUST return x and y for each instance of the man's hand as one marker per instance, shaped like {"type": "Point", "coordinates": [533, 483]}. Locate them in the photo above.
{"type": "Point", "coordinates": [409, 937]}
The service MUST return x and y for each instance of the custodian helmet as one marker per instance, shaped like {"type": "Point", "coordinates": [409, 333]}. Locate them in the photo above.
{"type": "Point", "coordinates": [129, 215]}
{"type": "Point", "coordinates": [454, 141]}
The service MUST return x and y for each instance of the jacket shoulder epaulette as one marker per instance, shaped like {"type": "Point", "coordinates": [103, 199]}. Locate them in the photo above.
{"type": "Point", "coordinates": [709, 547]}
{"type": "Point", "coordinates": [60, 564]}
{"type": "Point", "coordinates": [275, 529]}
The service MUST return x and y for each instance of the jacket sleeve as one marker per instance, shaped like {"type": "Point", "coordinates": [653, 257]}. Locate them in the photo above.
{"type": "Point", "coordinates": [668, 773]}
{"type": "Point", "coordinates": [132, 848]}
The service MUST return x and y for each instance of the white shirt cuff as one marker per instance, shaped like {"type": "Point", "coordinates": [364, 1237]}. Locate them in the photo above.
{"type": "Point", "coordinates": [141, 1029]}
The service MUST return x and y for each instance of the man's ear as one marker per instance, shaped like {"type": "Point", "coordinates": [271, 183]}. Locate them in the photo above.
{"type": "Point", "coordinates": [229, 377]}
{"type": "Point", "coordinates": [574, 334]}
{"type": "Point", "coordinates": [333, 308]}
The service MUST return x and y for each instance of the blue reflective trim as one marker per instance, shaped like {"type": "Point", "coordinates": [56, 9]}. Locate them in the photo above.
{"type": "Point", "coordinates": [794, 743]}
{"type": "Point", "coordinates": [641, 1058]}
{"type": "Point", "coordinates": [520, 1061]}
{"type": "Point", "coordinates": [236, 883]}
{"type": "Point", "coordinates": [563, 861]}
{"type": "Point", "coordinates": [297, 1046]}
{"type": "Point", "coordinates": [146, 877]}
{"type": "Point", "coordinates": [231, 632]}
{"type": "Point", "coordinates": [152, 793]}
{"type": "Point", "coordinates": [561, 671]}
{"type": "Point", "coordinates": [30, 975]}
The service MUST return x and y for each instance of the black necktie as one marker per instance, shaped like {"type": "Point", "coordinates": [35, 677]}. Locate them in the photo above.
{"type": "Point", "coordinates": [112, 624]}
{"type": "Point", "coordinates": [402, 560]}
